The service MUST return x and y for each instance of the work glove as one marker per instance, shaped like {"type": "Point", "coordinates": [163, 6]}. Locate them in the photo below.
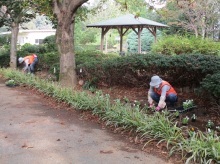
{"type": "Point", "coordinates": [162, 103]}
{"type": "Point", "coordinates": [158, 108]}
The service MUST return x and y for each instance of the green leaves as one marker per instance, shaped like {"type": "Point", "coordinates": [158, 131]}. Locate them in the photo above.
{"type": "Point", "coordinates": [176, 45]}
{"type": "Point", "coordinates": [182, 70]}
{"type": "Point", "coordinates": [197, 147]}
{"type": "Point", "coordinates": [16, 11]}
{"type": "Point", "coordinates": [211, 84]}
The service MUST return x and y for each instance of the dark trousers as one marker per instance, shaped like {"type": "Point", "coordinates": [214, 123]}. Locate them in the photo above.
{"type": "Point", "coordinates": [32, 65]}
{"type": "Point", "coordinates": [171, 98]}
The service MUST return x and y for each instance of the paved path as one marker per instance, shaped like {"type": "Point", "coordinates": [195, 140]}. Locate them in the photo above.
{"type": "Point", "coordinates": [31, 132]}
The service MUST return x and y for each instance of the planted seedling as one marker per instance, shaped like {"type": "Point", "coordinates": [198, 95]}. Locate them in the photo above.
{"type": "Point", "coordinates": [193, 118]}
{"type": "Point", "coordinates": [210, 124]}
{"type": "Point", "coordinates": [177, 114]}
{"type": "Point", "coordinates": [126, 99]}
{"type": "Point", "coordinates": [188, 104]}
{"type": "Point", "coordinates": [137, 103]}
{"type": "Point", "coordinates": [185, 120]}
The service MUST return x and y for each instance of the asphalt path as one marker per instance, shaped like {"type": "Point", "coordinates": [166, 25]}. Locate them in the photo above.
{"type": "Point", "coordinates": [32, 132]}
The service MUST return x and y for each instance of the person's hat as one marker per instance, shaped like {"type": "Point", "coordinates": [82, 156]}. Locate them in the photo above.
{"type": "Point", "coordinates": [20, 60]}
{"type": "Point", "coordinates": [155, 80]}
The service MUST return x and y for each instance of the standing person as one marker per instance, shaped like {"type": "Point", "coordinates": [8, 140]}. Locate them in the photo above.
{"type": "Point", "coordinates": [30, 62]}
{"type": "Point", "coordinates": [161, 92]}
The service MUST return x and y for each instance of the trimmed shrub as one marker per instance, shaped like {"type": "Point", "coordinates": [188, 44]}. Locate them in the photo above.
{"type": "Point", "coordinates": [27, 49]}
{"type": "Point", "coordinates": [135, 71]}
{"type": "Point", "coordinates": [176, 45]}
{"type": "Point", "coordinates": [211, 84]}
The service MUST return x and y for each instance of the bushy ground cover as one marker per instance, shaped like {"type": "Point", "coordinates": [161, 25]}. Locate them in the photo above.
{"type": "Point", "coordinates": [194, 146]}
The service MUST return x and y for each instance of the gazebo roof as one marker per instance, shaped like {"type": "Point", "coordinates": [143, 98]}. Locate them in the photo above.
{"type": "Point", "coordinates": [128, 20]}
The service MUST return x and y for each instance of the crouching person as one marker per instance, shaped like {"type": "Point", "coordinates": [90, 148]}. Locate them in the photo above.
{"type": "Point", "coordinates": [30, 62]}
{"type": "Point", "coordinates": [161, 92]}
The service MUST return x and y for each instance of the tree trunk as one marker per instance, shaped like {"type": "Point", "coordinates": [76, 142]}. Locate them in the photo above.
{"type": "Point", "coordinates": [65, 10]}
{"type": "Point", "coordinates": [13, 49]}
{"type": "Point", "coordinates": [67, 57]}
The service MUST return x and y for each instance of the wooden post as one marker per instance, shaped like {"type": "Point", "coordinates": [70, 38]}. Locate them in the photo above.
{"type": "Point", "coordinates": [102, 40]}
{"type": "Point", "coordinates": [139, 39]}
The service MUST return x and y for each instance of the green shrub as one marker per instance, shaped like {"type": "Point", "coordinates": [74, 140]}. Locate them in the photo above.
{"type": "Point", "coordinates": [50, 43]}
{"type": "Point", "coordinates": [176, 45]}
{"type": "Point", "coordinates": [48, 60]}
{"type": "Point", "coordinates": [146, 41]}
{"type": "Point", "coordinates": [5, 39]}
{"type": "Point", "coordinates": [27, 49]}
{"type": "Point", "coordinates": [83, 57]}
{"type": "Point", "coordinates": [211, 84]}
{"type": "Point", "coordinates": [136, 70]}
{"type": "Point", "coordinates": [4, 56]}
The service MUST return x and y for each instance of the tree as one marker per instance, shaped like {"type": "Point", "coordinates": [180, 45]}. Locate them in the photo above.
{"type": "Point", "coordinates": [199, 16]}
{"type": "Point", "coordinates": [12, 14]}
{"type": "Point", "coordinates": [65, 14]}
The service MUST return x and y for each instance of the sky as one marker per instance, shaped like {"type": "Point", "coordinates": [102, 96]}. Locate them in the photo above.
{"type": "Point", "coordinates": [156, 3]}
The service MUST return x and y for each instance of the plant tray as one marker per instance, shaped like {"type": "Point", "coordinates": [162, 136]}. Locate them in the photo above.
{"type": "Point", "coordinates": [182, 110]}
{"type": "Point", "coordinates": [11, 85]}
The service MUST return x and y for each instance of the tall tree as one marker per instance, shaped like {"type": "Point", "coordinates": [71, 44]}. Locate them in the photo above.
{"type": "Point", "coordinates": [65, 14]}
{"type": "Point", "coordinates": [13, 14]}
{"type": "Point", "coordinates": [198, 16]}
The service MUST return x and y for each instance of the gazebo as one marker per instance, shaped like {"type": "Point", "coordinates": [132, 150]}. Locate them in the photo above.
{"type": "Point", "coordinates": [126, 22]}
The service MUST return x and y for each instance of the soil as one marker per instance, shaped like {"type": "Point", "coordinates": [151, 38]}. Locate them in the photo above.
{"type": "Point", "coordinates": [204, 112]}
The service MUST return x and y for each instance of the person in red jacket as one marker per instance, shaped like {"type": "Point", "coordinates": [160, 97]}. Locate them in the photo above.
{"type": "Point", "coordinates": [161, 92]}
{"type": "Point", "coordinates": [30, 62]}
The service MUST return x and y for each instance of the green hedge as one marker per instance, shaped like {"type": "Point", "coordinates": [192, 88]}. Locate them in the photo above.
{"type": "Point", "coordinates": [211, 83]}
{"type": "Point", "coordinates": [135, 71]}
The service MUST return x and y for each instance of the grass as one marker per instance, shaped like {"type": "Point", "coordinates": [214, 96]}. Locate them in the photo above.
{"type": "Point", "coordinates": [197, 148]}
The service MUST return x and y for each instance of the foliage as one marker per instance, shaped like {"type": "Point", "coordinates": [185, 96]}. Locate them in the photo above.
{"type": "Point", "coordinates": [4, 56]}
{"type": "Point", "coordinates": [4, 39]}
{"type": "Point", "coordinates": [136, 70]}
{"type": "Point", "coordinates": [15, 12]}
{"type": "Point", "coordinates": [211, 84]}
{"type": "Point", "coordinates": [185, 120]}
{"type": "Point", "coordinates": [10, 83]}
{"type": "Point", "coordinates": [146, 40]}
{"type": "Point", "coordinates": [199, 147]}
{"type": "Point", "coordinates": [200, 17]}
{"type": "Point", "coordinates": [89, 57]}
{"type": "Point", "coordinates": [176, 45]}
{"type": "Point", "coordinates": [29, 48]}
{"type": "Point", "coordinates": [83, 35]}
{"type": "Point", "coordinates": [49, 60]}
{"type": "Point", "coordinates": [210, 124]}
{"type": "Point", "coordinates": [50, 43]}
{"type": "Point", "coordinates": [188, 104]}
